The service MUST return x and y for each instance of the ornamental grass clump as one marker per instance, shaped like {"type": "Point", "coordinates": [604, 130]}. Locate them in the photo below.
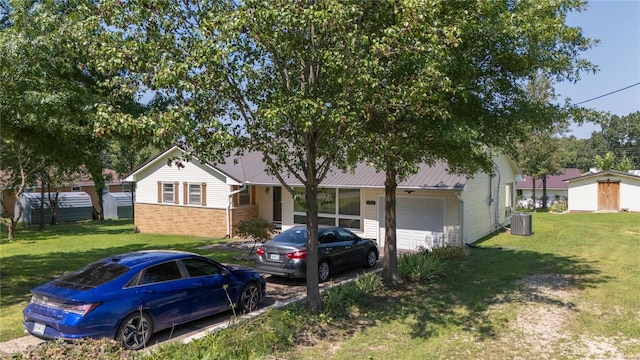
{"type": "Point", "coordinates": [422, 266]}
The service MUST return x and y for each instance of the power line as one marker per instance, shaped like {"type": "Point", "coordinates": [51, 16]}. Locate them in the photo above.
{"type": "Point", "coordinates": [607, 94]}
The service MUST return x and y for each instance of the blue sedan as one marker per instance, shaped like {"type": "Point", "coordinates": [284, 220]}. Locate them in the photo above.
{"type": "Point", "coordinates": [128, 297]}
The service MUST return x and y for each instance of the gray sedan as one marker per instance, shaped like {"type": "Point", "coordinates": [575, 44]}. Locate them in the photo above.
{"type": "Point", "coordinates": [338, 249]}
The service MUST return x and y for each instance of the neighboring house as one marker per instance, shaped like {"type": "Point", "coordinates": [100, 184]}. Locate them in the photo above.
{"type": "Point", "coordinates": [605, 191]}
{"type": "Point", "coordinates": [433, 207]}
{"type": "Point", "coordinates": [557, 188]}
{"type": "Point", "coordinates": [83, 184]}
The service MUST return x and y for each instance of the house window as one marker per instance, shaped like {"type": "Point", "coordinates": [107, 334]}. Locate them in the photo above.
{"type": "Point", "coordinates": [336, 207]}
{"type": "Point", "coordinates": [168, 192]}
{"type": "Point", "coordinates": [75, 188]}
{"type": "Point", "coordinates": [244, 196]}
{"type": "Point", "coordinates": [195, 194]}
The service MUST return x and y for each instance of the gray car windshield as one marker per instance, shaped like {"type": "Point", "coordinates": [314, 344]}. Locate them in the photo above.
{"type": "Point", "coordinates": [292, 236]}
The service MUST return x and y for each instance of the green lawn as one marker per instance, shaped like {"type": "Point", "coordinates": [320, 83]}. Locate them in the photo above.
{"type": "Point", "coordinates": [36, 257]}
{"type": "Point", "coordinates": [569, 291]}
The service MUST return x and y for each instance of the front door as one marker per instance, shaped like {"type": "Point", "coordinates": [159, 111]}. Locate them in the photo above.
{"type": "Point", "coordinates": [277, 204]}
{"type": "Point", "coordinates": [608, 196]}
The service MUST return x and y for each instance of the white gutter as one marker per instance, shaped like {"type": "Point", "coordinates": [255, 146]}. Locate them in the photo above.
{"type": "Point", "coordinates": [243, 187]}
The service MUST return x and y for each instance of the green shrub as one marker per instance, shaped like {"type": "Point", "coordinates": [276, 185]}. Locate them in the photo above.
{"type": "Point", "coordinates": [340, 301]}
{"type": "Point", "coordinates": [253, 338]}
{"type": "Point", "coordinates": [449, 253]}
{"type": "Point", "coordinates": [420, 267]}
{"type": "Point", "coordinates": [560, 207]}
{"type": "Point", "coordinates": [369, 282]}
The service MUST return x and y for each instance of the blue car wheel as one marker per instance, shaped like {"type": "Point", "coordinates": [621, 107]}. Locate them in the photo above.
{"type": "Point", "coordinates": [249, 298]}
{"type": "Point", "coordinates": [135, 331]}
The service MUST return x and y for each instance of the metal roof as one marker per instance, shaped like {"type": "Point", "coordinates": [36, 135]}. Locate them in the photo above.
{"type": "Point", "coordinates": [630, 174]}
{"type": "Point", "coordinates": [250, 168]}
{"type": "Point", "coordinates": [553, 181]}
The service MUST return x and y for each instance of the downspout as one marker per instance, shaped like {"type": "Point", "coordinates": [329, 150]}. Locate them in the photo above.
{"type": "Point", "coordinates": [497, 200]}
{"type": "Point", "coordinates": [243, 187]}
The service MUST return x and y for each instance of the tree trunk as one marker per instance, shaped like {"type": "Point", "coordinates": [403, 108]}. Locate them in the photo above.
{"type": "Point", "coordinates": [314, 302]}
{"type": "Point", "coordinates": [53, 206]}
{"type": "Point", "coordinates": [533, 195]}
{"type": "Point", "coordinates": [544, 192]}
{"type": "Point", "coordinates": [390, 274]}
{"type": "Point", "coordinates": [11, 230]}
{"type": "Point", "coordinates": [42, 185]}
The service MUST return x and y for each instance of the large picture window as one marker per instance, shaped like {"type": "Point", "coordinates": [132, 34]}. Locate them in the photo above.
{"type": "Point", "coordinates": [336, 207]}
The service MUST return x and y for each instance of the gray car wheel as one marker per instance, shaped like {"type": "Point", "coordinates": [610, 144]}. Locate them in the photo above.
{"type": "Point", "coordinates": [372, 258]}
{"type": "Point", "coordinates": [324, 271]}
{"type": "Point", "coordinates": [135, 331]}
{"type": "Point", "coordinates": [249, 298]}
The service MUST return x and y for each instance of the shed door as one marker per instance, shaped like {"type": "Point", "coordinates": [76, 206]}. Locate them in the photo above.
{"type": "Point", "coordinates": [608, 196]}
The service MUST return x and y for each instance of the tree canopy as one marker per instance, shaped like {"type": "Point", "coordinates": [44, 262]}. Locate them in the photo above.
{"type": "Point", "coordinates": [315, 86]}
{"type": "Point", "coordinates": [318, 85]}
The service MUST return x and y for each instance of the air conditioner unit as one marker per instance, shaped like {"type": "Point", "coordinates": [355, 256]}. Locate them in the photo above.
{"type": "Point", "coordinates": [521, 224]}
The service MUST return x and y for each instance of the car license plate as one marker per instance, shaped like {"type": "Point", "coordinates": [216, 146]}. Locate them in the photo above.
{"type": "Point", "coordinates": [38, 329]}
{"type": "Point", "coordinates": [275, 257]}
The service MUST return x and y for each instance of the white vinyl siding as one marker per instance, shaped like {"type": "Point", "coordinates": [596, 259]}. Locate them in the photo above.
{"type": "Point", "coordinates": [583, 197]}
{"type": "Point", "coordinates": [217, 189]}
{"type": "Point", "coordinates": [630, 195]}
{"type": "Point", "coordinates": [583, 193]}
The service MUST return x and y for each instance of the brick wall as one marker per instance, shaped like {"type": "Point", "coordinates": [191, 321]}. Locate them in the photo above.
{"type": "Point", "coordinates": [183, 220]}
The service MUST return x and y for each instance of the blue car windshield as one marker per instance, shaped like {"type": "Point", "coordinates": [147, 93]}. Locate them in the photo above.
{"type": "Point", "coordinates": [92, 275]}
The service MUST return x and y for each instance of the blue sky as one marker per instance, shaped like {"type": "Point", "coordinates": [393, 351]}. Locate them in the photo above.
{"type": "Point", "coordinates": [617, 25]}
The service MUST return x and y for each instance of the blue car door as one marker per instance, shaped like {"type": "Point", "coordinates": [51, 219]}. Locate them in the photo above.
{"type": "Point", "coordinates": [164, 291]}
{"type": "Point", "coordinates": [208, 295]}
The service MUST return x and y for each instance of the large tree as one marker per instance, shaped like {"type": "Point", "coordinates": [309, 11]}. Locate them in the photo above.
{"type": "Point", "coordinates": [622, 135]}
{"type": "Point", "coordinates": [316, 85]}
{"type": "Point", "coordinates": [539, 154]}
{"type": "Point", "coordinates": [272, 77]}
{"type": "Point", "coordinates": [20, 168]}
{"type": "Point", "coordinates": [48, 91]}
{"type": "Point", "coordinates": [446, 84]}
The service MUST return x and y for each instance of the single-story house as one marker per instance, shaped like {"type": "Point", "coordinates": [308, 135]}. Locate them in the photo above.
{"type": "Point", "coordinates": [605, 191]}
{"type": "Point", "coordinates": [557, 188]}
{"type": "Point", "coordinates": [433, 206]}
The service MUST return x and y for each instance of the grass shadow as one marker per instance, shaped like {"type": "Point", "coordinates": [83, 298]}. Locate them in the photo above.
{"type": "Point", "coordinates": [463, 299]}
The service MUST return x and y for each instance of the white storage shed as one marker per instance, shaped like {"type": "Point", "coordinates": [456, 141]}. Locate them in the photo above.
{"type": "Point", "coordinates": [72, 206]}
{"type": "Point", "coordinates": [118, 205]}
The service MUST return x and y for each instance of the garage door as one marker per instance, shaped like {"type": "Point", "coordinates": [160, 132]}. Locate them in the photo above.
{"type": "Point", "coordinates": [419, 222]}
